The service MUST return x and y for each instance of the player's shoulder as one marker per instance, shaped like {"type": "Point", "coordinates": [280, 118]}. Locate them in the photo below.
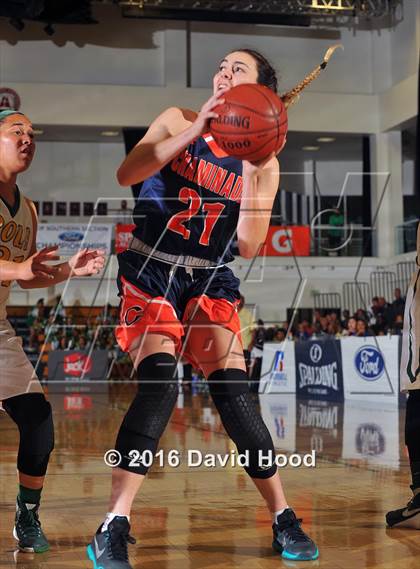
{"type": "Point", "coordinates": [175, 115]}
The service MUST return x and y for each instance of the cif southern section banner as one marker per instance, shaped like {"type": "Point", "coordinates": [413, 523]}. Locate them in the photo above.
{"type": "Point", "coordinates": [70, 237]}
{"type": "Point", "coordinates": [278, 368]}
{"type": "Point", "coordinates": [319, 370]}
{"type": "Point", "coordinates": [123, 236]}
{"type": "Point", "coordinates": [286, 241]}
{"type": "Point", "coordinates": [371, 367]}
{"type": "Point", "coordinates": [70, 370]}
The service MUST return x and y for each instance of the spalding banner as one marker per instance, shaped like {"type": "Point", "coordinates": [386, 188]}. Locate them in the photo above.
{"type": "Point", "coordinates": [318, 370]}
{"type": "Point", "coordinates": [371, 367]}
{"type": "Point", "coordinates": [70, 368]}
{"type": "Point", "coordinates": [286, 241]}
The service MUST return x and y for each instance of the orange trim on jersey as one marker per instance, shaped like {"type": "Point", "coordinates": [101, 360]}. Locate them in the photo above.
{"type": "Point", "coordinates": [219, 311]}
{"type": "Point", "coordinates": [141, 313]}
{"type": "Point", "coordinates": [211, 143]}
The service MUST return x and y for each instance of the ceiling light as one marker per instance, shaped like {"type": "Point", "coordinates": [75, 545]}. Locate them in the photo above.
{"type": "Point", "coordinates": [38, 131]}
{"type": "Point", "coordinates": [310, 147]}
{"type": "Point", "coordinates": [110, 132]}
{"type": "Point", "coordinates": [325, 139]}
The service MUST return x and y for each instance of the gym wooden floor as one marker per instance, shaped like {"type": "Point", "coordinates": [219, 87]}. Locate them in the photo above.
{"type": "Point", "coordinates": [201, 518]}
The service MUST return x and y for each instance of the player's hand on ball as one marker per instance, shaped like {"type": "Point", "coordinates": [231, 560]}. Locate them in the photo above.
{"type": "Point", "coordinates": [201, 123]}
{"type": "Point", "coordinates": [87, 262]}
{"type": "Point", "coordinates": [35, 265]}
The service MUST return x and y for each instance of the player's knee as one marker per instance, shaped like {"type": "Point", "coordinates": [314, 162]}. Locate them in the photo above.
{"type": "Point", "coordinates": [242, 420]}
{"type": "Point", "coordinates": [32, 414]}
{"type": "Point", "coordinates": [149, 412]}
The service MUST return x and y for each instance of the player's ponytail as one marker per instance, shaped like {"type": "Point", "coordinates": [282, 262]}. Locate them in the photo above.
{"type": "Point", "coordinates": [292, 96]}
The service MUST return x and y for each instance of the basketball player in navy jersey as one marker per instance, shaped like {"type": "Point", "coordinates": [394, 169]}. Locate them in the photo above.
{"type": "Point", "coordinates": [21, 394]}
{"type": "Point", "coordinates": [179, 297]}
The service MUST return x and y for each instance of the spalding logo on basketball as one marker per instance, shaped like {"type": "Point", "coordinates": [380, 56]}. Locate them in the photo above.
{"type": "Point", "coordinates": [369, 363]}
{"type": "Point", "coordinates": [252, 122]}
{"type": "Point", "coordinates": [9, 99]}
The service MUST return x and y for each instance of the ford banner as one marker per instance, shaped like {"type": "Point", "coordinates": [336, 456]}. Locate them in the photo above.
{"type": "Point", "coordinates": [371, 367]}
{"type": "Point", "coordinates": [319, 372]}
{"type": "Point", "coordinates": [71, 237]}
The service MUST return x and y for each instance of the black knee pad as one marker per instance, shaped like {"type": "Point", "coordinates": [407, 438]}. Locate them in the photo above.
{"type": "Point", "coordinates": [150, 411]}
{"type": "Point", "coordinates": [242, 420]}
{"type": "Point", "coordinates": [33, 415]}
{"type": "Point", "coordinates": [412, 425]}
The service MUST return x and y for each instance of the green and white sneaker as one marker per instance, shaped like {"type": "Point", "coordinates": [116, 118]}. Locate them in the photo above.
{"type": "Point", "coordinates": [27, 530]}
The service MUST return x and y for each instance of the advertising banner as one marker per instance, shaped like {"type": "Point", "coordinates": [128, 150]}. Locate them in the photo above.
{"type": "Point", "coordinates": [319, 372]}
{"type": "Point", "coordinates": [123, 236]}
{"type": "Point", "coordinates": [71, 237]}
{"type": "Point", "coordinates": [278, 373]}
{"type": "Point", "coordinates": [371, 367]}
{"type": "Point", "coordinates": [371, 433]}
{"type": "Point", "coordinates": [320, 427]}
{"type": "Point", "coordinates": [279, 414]}
{"type": "Point", "coordinates": [286, 241]}
{"type": "Point", "coordinates": [77, 370]}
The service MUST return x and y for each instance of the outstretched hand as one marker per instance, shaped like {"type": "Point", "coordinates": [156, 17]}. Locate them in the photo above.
{"type": "Point", "coordinates": [35, 266]}
{"type": "Point", "coordinates": [87, 262]}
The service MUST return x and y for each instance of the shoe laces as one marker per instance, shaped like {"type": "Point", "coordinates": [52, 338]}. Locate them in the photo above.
{"type": "Point", "coordinates": [29, 522]}
{"type": "Point", "coordinates": [117, 544]}
{"type": "Point", "coordinates": [293, 530]}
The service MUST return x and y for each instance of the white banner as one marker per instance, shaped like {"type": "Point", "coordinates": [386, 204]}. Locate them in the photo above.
{"type": "Point", "coordinates": [70, 237]}
{"type": "Point", "coordinates": [279, 414]}
{"type": "Point", "coordinates": [278, 373]}
{"type": "Point", "coordinates": [371, 433]}
{"type": "Point", "coordinates": [370, 367]}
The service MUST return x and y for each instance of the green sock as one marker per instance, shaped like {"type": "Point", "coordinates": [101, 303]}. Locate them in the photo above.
{"type": "Point", "coordinates": [29, 495]}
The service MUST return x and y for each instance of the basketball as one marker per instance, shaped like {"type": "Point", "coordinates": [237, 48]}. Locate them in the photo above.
{"type": "Point", "coordinates": [252, 122]}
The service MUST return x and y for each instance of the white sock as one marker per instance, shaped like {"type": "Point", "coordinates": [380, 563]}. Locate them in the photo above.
{"type": "Point", "coordinates": [278, 513]}
{"type": "Point", "coordinates": [109, 517]}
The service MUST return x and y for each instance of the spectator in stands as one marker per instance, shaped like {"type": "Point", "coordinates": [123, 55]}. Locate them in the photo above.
{"type": "Point", "coordinates": [351, 329]}
{"type": "Point", "coordinates": [335, 233]}
{"type": "Point", "coordinates": [58, 310]}
{"type": "Point", "coordinates": [280, 335]}
{"type": "Point", "coordinates": [398, 304]}
{"type": "Point", "coordinates": [379, 328]}
{"type": "Point", "coordinates": [124, 214]}
{"type": "Point", "coordinates": [318, 332]}
{"type": "Point", "coordinates": [386, 309]}
{"type": "Point", "coordinates": [345, 319]}
{"type": "Point", "coordinates": [362, 329]}
{"type": "Point", "coordinates": [397, 329]}
{"type": "Point", "coordinates": [39, 312]}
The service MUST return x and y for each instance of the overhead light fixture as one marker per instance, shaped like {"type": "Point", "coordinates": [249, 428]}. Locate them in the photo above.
{"type": "Point", "coordinates": [312, 148]}
{"type": "Point", "coordinates": [110, 132]}
{"type": "Point", "coordinates": [325, 139]}
{"type": "Point", "coordinates": [38, 131]}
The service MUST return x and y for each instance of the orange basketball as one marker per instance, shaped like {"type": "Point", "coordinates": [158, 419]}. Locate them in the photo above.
{"type": "Point", "coordinates": [252, 122]}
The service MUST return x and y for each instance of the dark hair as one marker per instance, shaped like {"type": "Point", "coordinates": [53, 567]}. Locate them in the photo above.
{"type": "Point", "coordinates": [266, 73]}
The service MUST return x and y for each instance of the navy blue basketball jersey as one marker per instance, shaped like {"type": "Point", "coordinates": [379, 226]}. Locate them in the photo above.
{"type": "Point", "coordinates": [191, 206]}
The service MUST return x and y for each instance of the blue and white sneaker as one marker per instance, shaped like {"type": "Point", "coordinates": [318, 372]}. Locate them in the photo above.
{"type": "Point", "coordinates": [291, 541]}
{"type": "Point", "coordinates": [108, 549]}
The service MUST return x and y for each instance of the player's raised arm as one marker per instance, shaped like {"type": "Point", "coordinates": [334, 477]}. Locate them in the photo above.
{"type": "Point", "coordinates": [170, 132]}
